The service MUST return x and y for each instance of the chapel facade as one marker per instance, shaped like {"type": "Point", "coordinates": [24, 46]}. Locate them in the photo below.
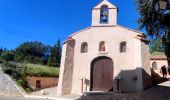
{"type": "Point", "coordinates": [104, 57]}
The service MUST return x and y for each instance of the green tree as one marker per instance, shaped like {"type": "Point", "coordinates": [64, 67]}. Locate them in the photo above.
{"type": "Point", "coordinates": [7, 56]}
{"type": "Point", "coordinates": [33, 52]}
{"type": "Point", "coordinates": [55, 57]}
{"type": "Point", "coordinates": [150, 20]}
{"type": "Point", "coordinates": [156, 46]}
{"type": "Point", "coordinates": [156, 25]}
{"type": "Point", "coordinates": [167, 45]}
{"type": "Point", "coordinates": [1, 50]}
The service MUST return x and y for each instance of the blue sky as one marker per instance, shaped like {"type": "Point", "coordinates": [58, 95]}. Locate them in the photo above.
{"type": "Point", "coordinates": [48, 20]}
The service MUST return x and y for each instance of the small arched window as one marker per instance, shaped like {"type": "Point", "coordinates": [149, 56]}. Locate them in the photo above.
{"type": "Point", "coordinates": [104, 14]}
{"type": "Point", "coordinates": [154, 66]}
{"type": "Point", "coordinates": [102, 47]}
{"type": "Point", "coordinates": [123, 47]}
{"type": "Point", "coordinates": [84, 47]}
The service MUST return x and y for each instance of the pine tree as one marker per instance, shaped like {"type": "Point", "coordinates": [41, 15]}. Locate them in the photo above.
{"type": "Point", "coordinates": [155, 24]}
{"type": "Point", "coordinates": [58, 56]}
{"type": "Point", "coordinates": [54, 59]}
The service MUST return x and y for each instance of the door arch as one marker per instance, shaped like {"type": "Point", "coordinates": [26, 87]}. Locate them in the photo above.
{"type": "Point", "coordinates": [101, 74]}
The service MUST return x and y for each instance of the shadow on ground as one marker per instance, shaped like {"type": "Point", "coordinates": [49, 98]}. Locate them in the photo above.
{"type": "Point", "coordinates": [155, 93]}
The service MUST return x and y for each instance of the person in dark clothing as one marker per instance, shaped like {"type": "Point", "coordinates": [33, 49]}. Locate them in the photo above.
{"type": "Point", "coordinates": [164, 71]}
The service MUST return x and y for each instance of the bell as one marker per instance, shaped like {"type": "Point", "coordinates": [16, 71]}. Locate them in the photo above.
{"type": "Point", "coordinates": [104, 19]}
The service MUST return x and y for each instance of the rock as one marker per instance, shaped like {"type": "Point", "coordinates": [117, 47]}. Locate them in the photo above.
{"type": "Point", "coordinates": [42, 92]}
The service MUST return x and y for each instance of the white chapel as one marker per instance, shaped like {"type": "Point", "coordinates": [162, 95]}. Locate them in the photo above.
{"type": "Point", "coordinates": [104, 57]}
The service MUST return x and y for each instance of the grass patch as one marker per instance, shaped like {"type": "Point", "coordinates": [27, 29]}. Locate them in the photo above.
{"type": "Point", "coordinates": [158, 53]}
{"type": "Point", "coordinates": [42, 71]}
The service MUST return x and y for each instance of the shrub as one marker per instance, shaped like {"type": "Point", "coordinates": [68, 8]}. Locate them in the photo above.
{"type": "Point", "coordinates": [8, 68]}
{"type": "Point", "coordinates": [13, 70]}
{"type": "Point", "coordinates": [29, 90]}
{"type": "Point", "coordinates": [42, 71]}
{"type": "Point", "coordinates": [22, 82]}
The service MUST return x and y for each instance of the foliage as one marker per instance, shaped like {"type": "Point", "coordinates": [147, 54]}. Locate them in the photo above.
{"type": "Point", "coordinates": [29, 90]}
{"type": "Point", "coordinates": [157, 25]}
{"type": "Point", "coordinates": [166, 19]}
{"type": "Point", "coordinates": [22, 82]}
{"type": "Point", "coordinates": [54, 59]}
{"type": "Point", "coordinates": [7, 56]}
{"type": "Point", "coordinates": [167, 45]}
{"type": "Point", "coordinates": [158, 53]}
{"type": "Point", "coordinates": [10, 68]}
{"type": "Point", "coordinates": [7, 68]}
{"type": "Point", "coordinates": [42, 71]}
{"type": "Point", "coordinates": [20, 71]}
{"type": "Point", "coordinates": [150, 19]}
{"type": "Point", "coordinates": [32, 52]}
{"type": "Point", "coordinates": [156, 46]}
{"type": "Point", "coordinates": [1, 50]}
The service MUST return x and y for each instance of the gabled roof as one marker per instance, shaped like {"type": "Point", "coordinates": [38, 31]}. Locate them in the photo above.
{"type": "Point", "coordinates": [80, 31]}
{"type": "Point", "coordinates": [106, 26]}
{"type": "Point", "coordinates": [130, 29]}
{"type": "Point", "coordinates": [70, 36]}
{"type": "Point", "coordinates": [105, 2]}
{"type": "Point", "coordinates": [141, 34]}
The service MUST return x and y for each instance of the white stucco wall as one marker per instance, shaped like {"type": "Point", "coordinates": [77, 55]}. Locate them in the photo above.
{"type": "Point", "coordinates": [127, 65]}
{"type": "Point", "coordinates": [160, 63]}
{"type": "Point", "coordinates": [112, 14]}
{"type": "Point", "coordinates": [111, 21]}
{"type": "Point", "coordinates": [113, 36]}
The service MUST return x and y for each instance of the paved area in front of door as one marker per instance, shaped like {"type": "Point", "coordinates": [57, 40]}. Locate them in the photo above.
{"type": "Point", "coordinates": [158, 92]}
{"type": "Point", "coordinates": [49, 92]}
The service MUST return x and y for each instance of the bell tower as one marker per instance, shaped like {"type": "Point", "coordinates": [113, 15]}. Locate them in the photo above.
{"type": "Point", "coordinates": [104, 14]}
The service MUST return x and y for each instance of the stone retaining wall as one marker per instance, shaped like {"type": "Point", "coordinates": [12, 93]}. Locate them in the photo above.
{"type": "Point", "coordinates": [45, 82]}
{"type": "Point", "coordinates": [8, 87]}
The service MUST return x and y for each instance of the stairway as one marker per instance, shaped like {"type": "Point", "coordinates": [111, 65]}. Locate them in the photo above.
{"type": "Point", "coordinates": [8, 87]}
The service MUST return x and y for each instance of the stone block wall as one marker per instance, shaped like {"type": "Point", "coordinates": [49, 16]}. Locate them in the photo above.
{"type": "Point", "coordinates": [147, 82]}
{"type": "Point", "coordinates": [67, 72]}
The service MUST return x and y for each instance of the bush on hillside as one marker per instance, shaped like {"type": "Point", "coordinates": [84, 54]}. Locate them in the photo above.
{"type": "Point", "coordinates": [11, 69]}
{"type": "Point", "coordinates": [8, 67]}
{"type": "Point", "coordinates": [22, 82]}
{"type": "Point", "coordinates": [42, 71]}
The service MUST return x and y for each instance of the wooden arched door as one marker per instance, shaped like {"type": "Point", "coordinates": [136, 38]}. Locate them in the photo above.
{"type": "Point", "coordinates": [102, 74]}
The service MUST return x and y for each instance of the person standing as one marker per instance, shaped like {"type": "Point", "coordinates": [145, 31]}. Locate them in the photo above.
{"type": "Point", "coordinates": [164, 71]}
